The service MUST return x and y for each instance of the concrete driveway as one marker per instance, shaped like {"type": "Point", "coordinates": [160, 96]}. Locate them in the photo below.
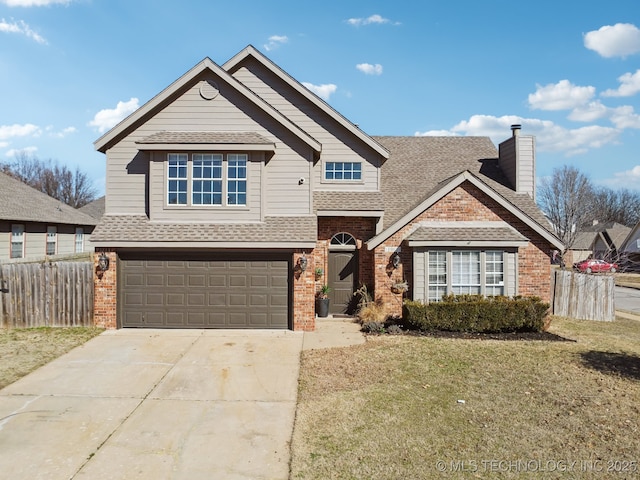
{"type": "Point", "coordinates": [156, 404]}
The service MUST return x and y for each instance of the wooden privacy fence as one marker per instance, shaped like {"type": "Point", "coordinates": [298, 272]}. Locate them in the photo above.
{"type": "Point", "coordinates": [46, 294]}
{"type": "Point", "coordinates": [583, 296]}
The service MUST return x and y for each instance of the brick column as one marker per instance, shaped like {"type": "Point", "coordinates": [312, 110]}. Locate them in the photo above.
{"type": "Point", "coordinates": [304, 286]}
{"type": "Point", "coordinates": [105, 291]}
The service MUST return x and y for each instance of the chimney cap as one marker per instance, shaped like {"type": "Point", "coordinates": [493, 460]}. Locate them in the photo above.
{"type": "Point", "coordinates": [515, 129]}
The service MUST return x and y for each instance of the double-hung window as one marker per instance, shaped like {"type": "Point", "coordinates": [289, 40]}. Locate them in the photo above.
{"type": "Point", "coordinates": [79, 244]}
{"type": "Point", "coordinates": [17, 241]}
{"type": "Point", "coordinates": [474, 272]}
{"type": "Point", "coordinates": [52, 240]}
{"type": "Point", "coordinates": [207, 179]}
{"type": "Point", "coordinates": [343, 171]}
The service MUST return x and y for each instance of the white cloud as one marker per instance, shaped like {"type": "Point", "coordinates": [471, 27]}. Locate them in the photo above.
{"type": "Point", "coordinates": [323, 91]}
{"type": "Point", "coordinates": [619, 40]}
{"type": "Point", "coordinates": [109, 117]}
{"type": "Point", "coordinates": [275, 41]}
{"type": "Point", "coordinates": [625, 117]}
{"type": "Point", "coordinates": [628, 179]}
{"type": "Point", "coordinates": [27, 151]}
{"type": "Point", "coordinates": [629, 85]}
{"type": "Point", "coordinates": [560, 96]}
{"type": "Point", "coordinates": [4, 144]}
{"type": "Point", "coordinates": [589, 112]}
{"type": "Point", "coordinates": [21, 28]}
{"type": "Point", "coordinates": [34, 3]}
{"type": "Point", "coordinates": [15, 130]}
{"type": "Point", "coordinates": [549, 136]}
{"type": "Point", "coordinates": [369, 69]}
{"type": "Point", "coordinates": [373, 19]}
{"type": "Point", "coordinates": [61, 133]}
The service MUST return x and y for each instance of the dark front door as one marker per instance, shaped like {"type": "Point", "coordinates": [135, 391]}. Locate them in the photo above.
{"type": "Point", "coordinates": [342, 279]}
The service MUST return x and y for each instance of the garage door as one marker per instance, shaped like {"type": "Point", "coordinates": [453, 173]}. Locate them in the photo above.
{"type": "Point", "coordinates": [203, 292]}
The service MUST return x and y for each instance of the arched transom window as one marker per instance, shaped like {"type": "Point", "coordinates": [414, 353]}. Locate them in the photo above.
{"type": "Point", "coordinates": [343, 241]}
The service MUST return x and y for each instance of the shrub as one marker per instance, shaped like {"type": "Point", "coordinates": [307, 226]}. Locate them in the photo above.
{"type": "Point", "coordinates": [394, 330]}
{"type": "Point", "coordinates": [474, 313]}
{"type": "Point", "coordinates": [373, 327]}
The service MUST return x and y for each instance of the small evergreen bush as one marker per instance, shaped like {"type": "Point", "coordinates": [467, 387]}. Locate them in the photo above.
{"type": "Point", "coordinates": [474, 313]}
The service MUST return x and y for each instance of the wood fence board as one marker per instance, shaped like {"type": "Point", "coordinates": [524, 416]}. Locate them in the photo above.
{"type": "Point", "coordinates": [583, 296]}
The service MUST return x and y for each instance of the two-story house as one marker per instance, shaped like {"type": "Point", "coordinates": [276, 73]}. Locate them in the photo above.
{"type": "Point", "coordinates": [227, 191]}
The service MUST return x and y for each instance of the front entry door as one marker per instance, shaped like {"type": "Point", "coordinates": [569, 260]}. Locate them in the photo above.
{"type": "Point", "coordinates": [342, 279]}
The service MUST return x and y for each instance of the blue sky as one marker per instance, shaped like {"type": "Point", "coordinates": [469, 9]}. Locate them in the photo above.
{"type": "Point", "coordinates": [568, 71]}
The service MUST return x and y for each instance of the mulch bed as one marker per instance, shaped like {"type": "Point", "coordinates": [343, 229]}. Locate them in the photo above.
{"type": "Point", "coordinates": [506, 336]}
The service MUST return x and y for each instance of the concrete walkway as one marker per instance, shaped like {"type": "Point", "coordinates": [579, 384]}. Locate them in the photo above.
{"type": "Point", "coordinates": [162, 404]}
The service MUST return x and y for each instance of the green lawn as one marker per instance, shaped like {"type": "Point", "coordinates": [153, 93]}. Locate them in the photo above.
{"type": "Point", "coordinates": [403, 407]}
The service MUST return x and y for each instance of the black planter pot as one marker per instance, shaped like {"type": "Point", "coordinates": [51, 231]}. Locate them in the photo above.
{"type": "Point", "coordinates": [322, 307]}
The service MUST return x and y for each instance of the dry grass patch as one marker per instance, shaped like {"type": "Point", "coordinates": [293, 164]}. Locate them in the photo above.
{"type": "Point", "coordinates": [390, 408]}
{"type": "Point", "coordinates": [24, 350]}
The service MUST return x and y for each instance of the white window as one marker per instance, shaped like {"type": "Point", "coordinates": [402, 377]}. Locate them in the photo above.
{"type": "Point", "coordinates": [177, 179]}
{"type": "Point", "coordinates": [208, 179]}
{"type": "Point", "coordinates": [342, 171]}
{"type": "Point", "coordinates": [79, 244]}
{"type": "Point", "coordinates": [52, 240]}
{"type": "Point", "coordinates": [17, 241]}
{"type": "Point", "coordinates": [437, 275]}
{"type": "Point", "coordinates": [474, 272]}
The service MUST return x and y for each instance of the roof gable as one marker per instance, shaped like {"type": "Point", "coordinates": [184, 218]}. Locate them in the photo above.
{"type": "Point", "coordinates": [251, 52]}
{"type": "Point", "coordinates": [21, 203]}
{"type": "Point", "coordinates": [181, 84]}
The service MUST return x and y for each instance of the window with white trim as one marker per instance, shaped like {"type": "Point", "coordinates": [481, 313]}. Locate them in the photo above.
{"type": "Point", "coordinates": [79, 243]}
{"type": "Point", "coordinates": [17, 241]}
{"type": "Point", "coordinates": [474, 272]}
{"type": "Point", "coordinates": [207, 179]}
{"type": "Point", "coordinates": [343, 171]}
{"type": "Point", "coordinates": [52, 240]}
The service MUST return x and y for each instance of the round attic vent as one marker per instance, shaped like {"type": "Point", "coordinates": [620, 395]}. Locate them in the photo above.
{"type": "Point", "coordinates": [208, 90]}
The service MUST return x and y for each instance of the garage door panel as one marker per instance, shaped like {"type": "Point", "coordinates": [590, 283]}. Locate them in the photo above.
{"type": "Point", "coordinates": [204, 293]}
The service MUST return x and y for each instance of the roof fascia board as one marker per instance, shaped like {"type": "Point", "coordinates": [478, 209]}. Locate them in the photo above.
{"type": "Point", "coordinates": [313, 98]}
{"type": "Point", "coordinates": [349, 213]}
{"type": "Point", "coordinates": [103, 143]}
{"type": "Point", "coordinates": [444, 190]}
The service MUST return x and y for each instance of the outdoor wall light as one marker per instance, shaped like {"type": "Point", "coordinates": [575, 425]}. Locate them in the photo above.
{"type": "Point", "coordinates": [395, 260]}
{"type": "Point", "coordinates": [302, 263]}
{"type": "Point", "coordinates": [103, 262]}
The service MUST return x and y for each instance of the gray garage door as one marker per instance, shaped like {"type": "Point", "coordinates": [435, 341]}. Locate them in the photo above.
{"type": "Point", "coordinates": [197, 292]}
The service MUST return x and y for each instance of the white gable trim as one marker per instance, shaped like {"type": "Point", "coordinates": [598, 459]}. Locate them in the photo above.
{"type": "Point", "coordinates": [105, 142]}
{"type": "Point", "coordinates": [313, 98]}
{"type": "Point", "coordinates": [448, 188]}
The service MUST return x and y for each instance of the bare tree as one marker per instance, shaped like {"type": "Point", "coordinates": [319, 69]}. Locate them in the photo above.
{"type": "Point", "coordinates": [620, 206]}
{"type": "Point", "coordinates": [71, 187]}
{"type": "Point", "coordinates": [565, 198]}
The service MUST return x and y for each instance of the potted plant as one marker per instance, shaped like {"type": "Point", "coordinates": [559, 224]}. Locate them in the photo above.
{"type": "Point", "coordinates": [322, 301]}
{"type": "Point", "coordinates": [318, 273]}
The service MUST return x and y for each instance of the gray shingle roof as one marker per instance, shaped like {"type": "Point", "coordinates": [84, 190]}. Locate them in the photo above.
{"type": "Point", "coordinates": [138, 228]}
{"type": "Point", "coordinates": [460, 234]}
{"type": "Point", "coordinates": [19, 202]}
{"type": "Point", "coordinates": [207, 138]}
{"type": "Point", "coordinates": [417, 166]}
{"type": "Point", "coordinates": [94, 209]}
{"type": "Point", "coordinates": [363, 201]}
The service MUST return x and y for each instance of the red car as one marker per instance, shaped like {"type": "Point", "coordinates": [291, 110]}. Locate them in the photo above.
{"type": "Point", "coordinates": [595, 266]}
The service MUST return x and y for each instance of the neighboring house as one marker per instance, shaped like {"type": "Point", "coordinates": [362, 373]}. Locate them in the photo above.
{"type": "Point", "coordinates": [600, 240]}
{"type": "Point", "coordinates": [227, 190]}
{"type": "Point", "coordinates": [630, 250]}
{"type": "Point", "coordinates": [34, 225]}
{"type": "Point", "coordinates": [94, 209]}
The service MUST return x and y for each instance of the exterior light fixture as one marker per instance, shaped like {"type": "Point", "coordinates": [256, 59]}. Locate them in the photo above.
{"type": "Point", "coordinates": [103, 262]}
{"type": "Point", "coordinates": [302, 263]}
{"type": "Point", "coordinates": [395, 260]}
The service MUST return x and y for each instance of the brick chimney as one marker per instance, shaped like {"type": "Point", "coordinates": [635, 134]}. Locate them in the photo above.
{"type": "Point", "coordinates": [517, 158]}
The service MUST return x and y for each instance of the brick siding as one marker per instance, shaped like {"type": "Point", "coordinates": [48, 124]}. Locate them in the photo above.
{"type": "Point", "coordinates": [105, 291]}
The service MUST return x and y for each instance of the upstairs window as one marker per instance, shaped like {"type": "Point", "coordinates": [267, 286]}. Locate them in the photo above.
{"type": "Point", "coordinates": [207, 179]}
{"type": "Point", "coordinates": [343, 171]}
{"type": "Point", "coordinates": [177, 175]}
